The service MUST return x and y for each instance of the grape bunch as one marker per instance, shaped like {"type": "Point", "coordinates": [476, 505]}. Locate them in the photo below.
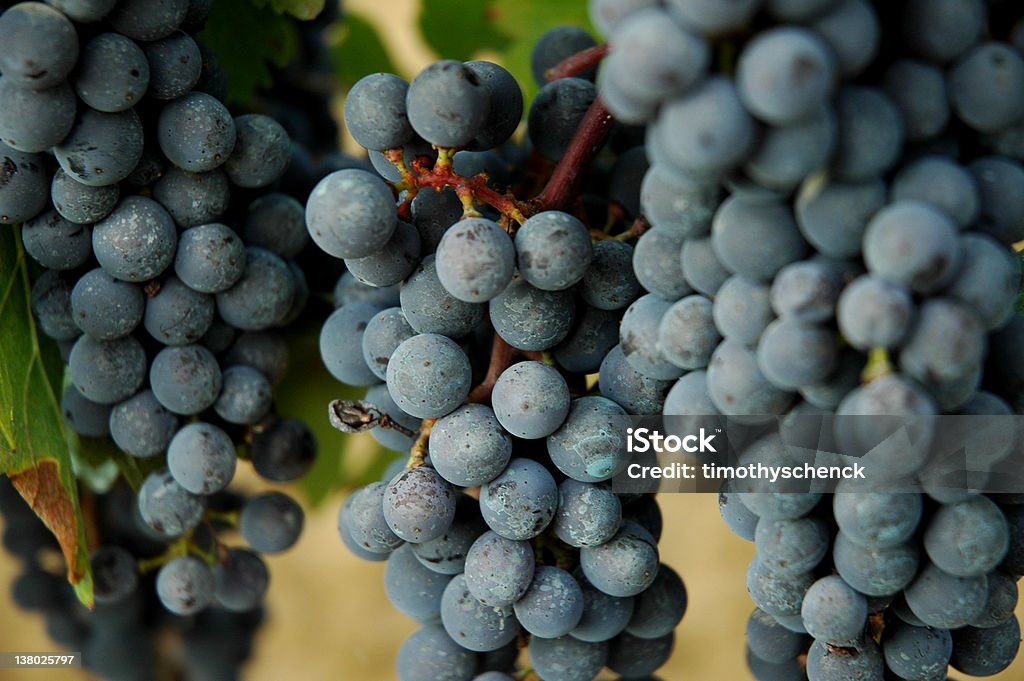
{"type": "Point", "coordinates": [803, 211]}
{"type": "Point", "coordinates": [130, 637]}
{"type": "Point", "coordinates": [834, 201]}
{"type": "Point", "coordinates": [502, 531]}
{"type": "Point", "coordinates": [168, 273]}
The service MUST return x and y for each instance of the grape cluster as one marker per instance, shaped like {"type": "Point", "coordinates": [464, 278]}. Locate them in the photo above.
{"type": "Point", "coordinates": [130, 637]}
{"type": "Point", "coordinates": [843, 195]}
{"type": "Point", "coordinates": [503, 531]}
{"type": "Point", "coordinates": [168, 272]}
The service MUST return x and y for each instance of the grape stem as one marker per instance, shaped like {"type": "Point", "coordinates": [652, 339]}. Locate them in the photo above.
{"type": "Point", "coordinates": [565, 180]}
{"type": "Point", "coordinates": [443, 175]}
{"type": "Point", "coordinates": [878, 365]}
{"type": "Point", "coordinates": [418, 452]}
{"type": "Point", "coordinates": [502, 355]}
{"type": "Point", "coordinates": [575, 64]}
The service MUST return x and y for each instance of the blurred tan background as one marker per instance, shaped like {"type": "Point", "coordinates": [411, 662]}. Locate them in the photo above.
{"type": "Point", "coordinates": [328, 618]}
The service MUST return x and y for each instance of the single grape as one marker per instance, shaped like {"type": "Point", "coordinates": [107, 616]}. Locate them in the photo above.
{"type": "Point", "coordinates": [588, 514]}
{"type": "Point", "coordinates": [185, 585]}
{"type": "Point", "coordinates": [912, 243]}
{"type": "Point", "coordinates": [185, 379]}
{"type": "Point", "coordinates": [779, 594]}
{"type": "Point", "coordinates": [472, 624]}
{"type": "Point", "coordinates": [791, 546]}
{"type": "Point", "coordinates": [871, 132]}
{"type": "Point", "coordinates": [595, 333]}
{"type": "Point", "coordinates": [35, 120]}
{"type": "Point", "coordinates": [81, 203]}
{"type": "Point", "coordinates": [627, 387]}
{"type": "Point", "coordinates": [23, 194]}
{"type": "Point", "coordinates": [475, 260]}
{"type": "Point", "coordinates": [166, 507]}
{"type": "Point", "coordinates": [428, 376]}
{"type": "Point", "coordinates": [589, 446]}
{"type": "Point", "coordinates": [375, 112]}
{"type": "Point", "coordinates": [528, 318]}
{"type": "Point", "coordinates": [680, 203]}
{"type": "Point", "coordinates": [284, 452]}
{"type": "Point", "coordinates": [778, 244]}
{"type": "Point", "coordinates": [104, 307]}
{"type": "Point", "coordinates": [447, 104]}
{"type": "Point", "coordinates": [262, 296]}
{"type": "Point", "coordinates": [833, 612]}
{"type": "Point", "coordinates": [985, 652]}
{"type": "Point", "coordinates": [830, 664]}
{"type": "Point", "coordinates": [498, 571]}
{"type": "Point", "coordinates": [999, 182]}
{"type": "Point", "coordinates": [916, 652]}
{"type": "Point", "coordinates": [85, 417]}
{"type": "Point", "coordinates": [419, 505]}
{"type": "Point", "coordinates": [361, 519]}
{"type": "Point", "coordinates": [430, 654]}
{"type": "Point", "coordinates": [193, 198]}
{"type": "Point", "coordinates": [210, 258]}
{"type": "Point", "coordinates": [626, 565]}
{"type": "Point", "coordinates": [177, 314]}
{"type": "Point", "coordinates": [271, 522]}
{"type": "Point", "coordinates": [276, 222]}
{"type": "Point", "coordinates": [351, 214]}
{"type": "Point", "coordinates": [505, 108]}
{"type": "Point", "coordinates": [706, 131]}
{"type": "Point", "coordinates": [40, 45]}
{"type": "Point", "coordinates": [784, 74]}
{"type": "Point", "coordinates": [552, 605]}
{"type": "Point", "coordinates": [946, 601]}
{"type": "Point", "coordinates": [241, 580]}
{"type": "Point", "coordinates": [874, 313]}
{"type": "Point", "coordinates": [521, 502]}
{"type": "Point", "coordinates": [201, 457]}
{"type": "Point", "coordinates": [114, 574]}
{"type": "Point", "coordinates": [604, 617]}
{"type": "Point", "coordinates": [468, 447]}
{"type": "Point", "coordinates": [141, 426]}
{"type": "Point", "coordinates": [770, 641]}
{"type": "Point", "coordinates": [531, 400]}
{"type": "Point", "coordinates": [137, 241]}
{"type": "Point", "coordinates": [261, 152]}
{"type": "Point", "coordinates": [791, 353]}
{"type": "Point", "coordinates": [853, 32]}
{"type": "Point", "coordinates": [56, 243]}
{"type": "Point", "coordinates": [107, 372]}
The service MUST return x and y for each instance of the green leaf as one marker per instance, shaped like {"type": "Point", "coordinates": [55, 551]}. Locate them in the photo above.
{"type": "Point", "coordinates": [523, 22]}
{"type": "Point", "coordinates": [33, 449]}
{"type": "Point", "coordinates": [1020, 298]}
{"type": "Point", "coordinates": [458, 29]}
{"type": "Point", "coordinates": [357, 50]}
{"type": "Point", "coordinates": [248, 40]}
{"type": "Point", "coordinates": [524, 18]}
{"type": "Point", "coordinates": [300, 9]}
